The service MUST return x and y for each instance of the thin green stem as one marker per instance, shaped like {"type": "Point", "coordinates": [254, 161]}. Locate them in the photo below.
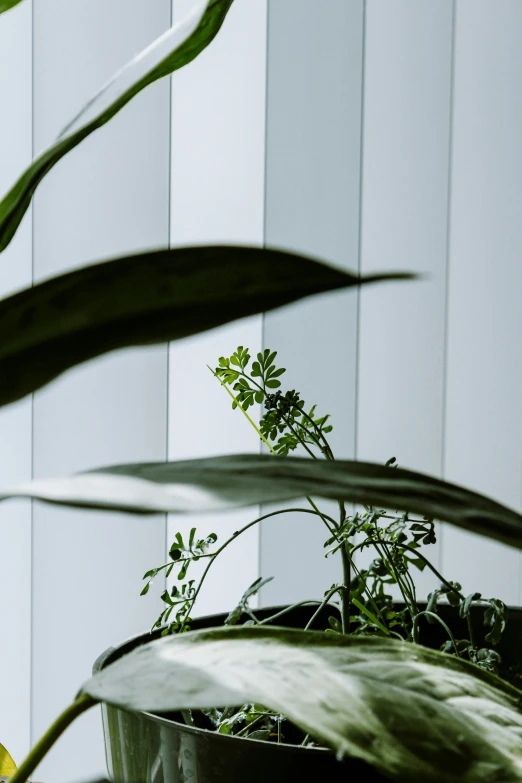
{"type": "Point", "coordinates": [42, 747]}
{"type": "Point", "coordinates": [319, 432]}
{"type": "Point", "coordinates": [238, 404]}
{"type": "Point", "coordinates": [443, 581]}
{"type": "Point", "coordinates": [324, 517]}
{"type": "Point", "coordinates": [229, 541]}
{"type": "Point", "coordinates": [412, 521]}
{"type": "Point", "coordinates": [316, 614]}
{"type": "Point", "coordinates": [470, 630]}
{"type": "Point", "coordinates": [347, 574]}
{"type": "Point", "coordinates": [386, 557]}
{"type": "Point", "coordinates": [251, 614]}
{"type": "Point", "coordinates": [368, 593]}
{"type": "Point", "coordinates": [187, 717]}
{"type": "Point", "coordinates": [301, 441]}
{"type": "Point", "coordinates": [301, 410]}
{"type": "Point", "coordinates": [345, 594]}
{"type": "Point", "coordinates": [408, 598]}
{"type": "Point", "coordinates": [243, 411]}
{"type": "Point", "coordinates": [439, 620]}
{"type": "Point", "coordinates": [243, 731]}
{"type": "Point", "coordinates": [286, 610]}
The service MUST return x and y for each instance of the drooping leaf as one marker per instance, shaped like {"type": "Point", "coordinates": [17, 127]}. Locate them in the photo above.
{"type": "Point", "coordinates": [235, 615]}
{"type": "Point", "coordinates": [168, 53]}
{"type": "Point", "coordinates": [143, 299]}
{"type": "Point", "coordinates": [7, 765]}
{"type": "Point", "coordinates": [413, 713]}
{"type": "Point", "coordinates": [219, 483]}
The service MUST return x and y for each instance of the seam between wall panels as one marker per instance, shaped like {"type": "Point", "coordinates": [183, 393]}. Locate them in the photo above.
{"type": "Point", "coordinates": [263, 316]}
{"type": "Point", "coordinates": [169, 244]}
{"type": "Point", "coordinates": [359, 239]}
{"type": "Point", "coordinates": [359, 243]}
{"type": "Point", "coordinates": [447, 267]}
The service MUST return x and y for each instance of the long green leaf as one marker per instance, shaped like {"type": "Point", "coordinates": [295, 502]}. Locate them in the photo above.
{"type": "Point", "coordinates": [412, 713]}
{"type": "Point", "coordinates": [171, 51]}
{"type": "Point", "coordinates": [144, 299]}
{"type": "Point", "coordinates": [219, 483]}
{"type": "Point", "coordinates": [6, 5]}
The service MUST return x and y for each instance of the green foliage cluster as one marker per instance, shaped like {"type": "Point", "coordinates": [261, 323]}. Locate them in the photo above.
{"type": "Point", "coordinates": [364, 598]}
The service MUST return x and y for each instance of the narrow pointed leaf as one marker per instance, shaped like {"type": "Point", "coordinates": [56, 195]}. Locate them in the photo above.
{"type": "Point", "coordinates": [171, 51]}
{"type": "Point", "coordinates": [413, 713]}
{"type": "Point", "coordinates": [219, 483]}
{"type": "Point", "coordinates": [7, 765]}
{"type": "Point", "coordinates": [6, 5]}
{"type": "Point", "coordinates": [148, 298]}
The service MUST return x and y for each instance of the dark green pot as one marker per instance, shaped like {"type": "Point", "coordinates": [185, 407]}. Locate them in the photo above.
{"type": "Point", "coordinates": [146, 748]}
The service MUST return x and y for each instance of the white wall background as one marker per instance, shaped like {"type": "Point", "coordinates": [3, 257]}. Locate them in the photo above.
{"type": "Point", "coordinates": [380, 135]}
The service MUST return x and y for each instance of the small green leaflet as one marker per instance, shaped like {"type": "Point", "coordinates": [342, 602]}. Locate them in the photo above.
{"type": "Point", "coordinates": [362, 608]}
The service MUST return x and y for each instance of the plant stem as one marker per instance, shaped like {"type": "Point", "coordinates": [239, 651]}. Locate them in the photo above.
{"type": "Point", "coordinates": [233, 538]}
{"type": "Point", "coordinates": [301, 441]}
{"type": "Point", "coordinates": [324, 517]}
{"type": "Point", "coordinates": [255, 722]}
{"type": "Point", "coordinates": [328, 450]}
{"type": "Point", "coordinates": [187, 717]}
{"type": "Point", "coordinates": [286, 610]}
{"type": "Point", "coordinates": [318, 430]}
{"type": "Point", "coordinates": [368, 593]}
{"type": "Point", "coordinates": [41, 748]}
{"type": "Point", "coordinates": [321, 607]}
{"type": "Point", "coordinates": [440, 620]}
{"type": "Point", "coordinates": [408, 598]}
{"type": "Point", "coordinates": [444, 581]}
{"type": "Point", "coordinates": [345, 593]}
{"type": "Point", "coordinates": [243, 411]}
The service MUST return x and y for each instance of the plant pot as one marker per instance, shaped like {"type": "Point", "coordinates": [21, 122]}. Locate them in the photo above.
{"type": "Point", "coordinates": [145, 748]}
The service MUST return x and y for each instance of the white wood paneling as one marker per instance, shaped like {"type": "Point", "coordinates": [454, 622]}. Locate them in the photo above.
{"type": "Point", "coordinates": [483, 433]}
{"type": "Point", "coordinates": [404, 216]}
{"type": "Point", "coordinates": [15, 421]}
{"type": "Point", "coordinates": [406, 147]}
{"type": "Point", "coordinates": [312, 205]}
{"type": "Point", "coordinates": [108, 197]}
{"type": "Point", "coordinates": [218, 131]}
{"type": "Point", "coordinates": [260, 140]}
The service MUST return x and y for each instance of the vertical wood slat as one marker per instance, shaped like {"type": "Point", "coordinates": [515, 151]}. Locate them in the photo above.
{"type": "Point", "coordinates": [312, 205]}
{"type": "Point", "coordinates": [15, 421]}
{"type": "Point", "coordinates": [108, 197]}
{"type": "Point", "coordinates": [218, 127]}
{"type": "Point", "coordinates": [483, 433]}
{"type": "Point", "coordinates": [96, 414]}
{"type": "Point", "coordinates": [404, 226]}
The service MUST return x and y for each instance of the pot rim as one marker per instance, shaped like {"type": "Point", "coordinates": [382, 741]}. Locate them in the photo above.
{"type": "Point", "coordinates": [130, 642]}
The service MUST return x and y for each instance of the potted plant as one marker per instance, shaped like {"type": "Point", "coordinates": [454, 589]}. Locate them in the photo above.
{"type": "Point", "coordinates": [197, 744]}
{"type": "Point", "coordinates": [403, 709]}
